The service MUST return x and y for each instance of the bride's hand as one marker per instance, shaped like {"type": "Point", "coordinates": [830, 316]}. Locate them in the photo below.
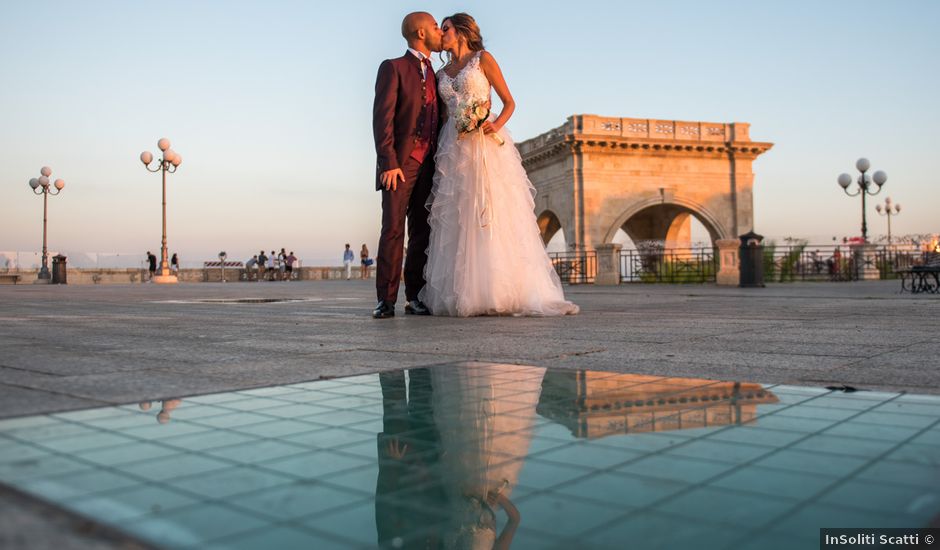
{"type": "Point", "coordinates": [489, 128]}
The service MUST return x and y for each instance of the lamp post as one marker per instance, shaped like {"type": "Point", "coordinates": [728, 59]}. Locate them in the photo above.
{"type": "Point", "coordinates": [40, 186]}
{"type": "Point", "coordinates": [886, 210]}
{"type": "Point", "coordinates": [222, 256]}
{"type": "Point", "coordinates": [865, 187]}
{"type": "Point", "coordinates": [169, 163]}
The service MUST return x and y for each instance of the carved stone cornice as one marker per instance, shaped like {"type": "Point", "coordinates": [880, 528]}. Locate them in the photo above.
{"type": "Point", "coordinates": [615, 136]}
{"type": "Point", "coordinates": [615, 146]}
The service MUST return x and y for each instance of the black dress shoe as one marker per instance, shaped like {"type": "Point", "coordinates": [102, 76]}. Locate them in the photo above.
{"type": "Point", "coordinates": [416, 307]}
{"type": "Point", "coordinates": [384, 310]}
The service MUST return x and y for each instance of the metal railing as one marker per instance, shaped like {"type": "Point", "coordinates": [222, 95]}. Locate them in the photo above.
{"type": "Point", "coordinates": [834, 263]}
{"type": "Point", "coordinates": [575, 267]}
{"type": "Point", "coordinates": [673, 265]}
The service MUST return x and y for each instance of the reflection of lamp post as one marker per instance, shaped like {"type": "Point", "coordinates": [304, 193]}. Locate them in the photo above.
{"type": "Point", "coordinates": [43, 182]}
{"type": "Point", "coordinates": [222, 256]}
{"type": "Point", "coordinates": [887, 211]}
{"type": "Point", "coordinates": [864, 187]}
{"type": "Point", "coordinates": [169, 163]}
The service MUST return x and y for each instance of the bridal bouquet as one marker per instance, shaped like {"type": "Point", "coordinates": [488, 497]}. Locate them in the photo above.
{"type": "Point", "coordinates": [471, 115]}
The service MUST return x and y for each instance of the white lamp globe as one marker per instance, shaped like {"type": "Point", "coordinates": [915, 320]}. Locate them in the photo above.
{"type": "Point", "coordinates": [169, 155]}
{"type": "Point", "coordinates": [163, 144]}
{"type": "Point", "coordinates": [862, 164]}
{"type": "Point", "coordinates": [880, 177]}
{"type": "Point", "coordinates": [46, 171]}
{"type": "Point", "coordinates": [177, 159]}
{"type": "Point", "coordinates": [845, 180]}
{"type": "Point", "coordinates": [146, 157]}
{"type": "Point", "coordinates": [59, 184]}
{"type": "Point", "coordinates": [34, 182]}
{"type": "Point", "coordinates": [878, 208]}
{"type": "Point", "coordinates": [897, 207]}
{"type": "Point", "coordinates": [44, 181]}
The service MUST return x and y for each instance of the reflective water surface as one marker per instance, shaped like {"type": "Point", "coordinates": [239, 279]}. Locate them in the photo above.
{"type": "Point", "coordinates": [490, 456]}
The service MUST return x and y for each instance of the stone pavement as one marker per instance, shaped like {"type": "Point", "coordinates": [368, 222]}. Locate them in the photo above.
{"type": "Point", "coordinates": [71, 347]}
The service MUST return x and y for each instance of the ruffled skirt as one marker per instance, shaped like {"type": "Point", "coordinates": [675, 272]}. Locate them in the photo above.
{"type": "Point", "coordinates": [486, 255]}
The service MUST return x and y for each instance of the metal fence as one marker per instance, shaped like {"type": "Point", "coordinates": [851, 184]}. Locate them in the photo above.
{"type": "Point", "coordinates": [674, 265]}
{"type": "Point", "coordinates": [834, 263]}
{"type": "Point", "coordinates": [575, 267]}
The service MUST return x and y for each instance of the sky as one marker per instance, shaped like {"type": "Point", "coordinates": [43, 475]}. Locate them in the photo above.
{"type": "Point", "coordinates": [269, 105]}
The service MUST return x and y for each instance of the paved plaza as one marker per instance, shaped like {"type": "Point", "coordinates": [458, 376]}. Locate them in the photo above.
{"type": "Point", "coordinates": [71, 347]}
{"type": "Point", "coordinates": [67, 348]}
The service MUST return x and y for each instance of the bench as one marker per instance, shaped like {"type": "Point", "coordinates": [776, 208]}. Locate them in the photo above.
{"type": "Point", "coordinates": [922, 278]}
{"type": "Point", "coordinates": [7, 278]}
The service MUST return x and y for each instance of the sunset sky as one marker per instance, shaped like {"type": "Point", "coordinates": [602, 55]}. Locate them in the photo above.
{"type": "Point", "coordinates": [269, 104]}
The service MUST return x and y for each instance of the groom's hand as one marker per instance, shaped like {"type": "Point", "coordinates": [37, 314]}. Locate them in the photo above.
{"type": "Point", "coordinates": [390, 179]}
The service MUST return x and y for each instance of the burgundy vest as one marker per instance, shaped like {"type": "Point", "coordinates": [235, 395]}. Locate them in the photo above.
{"type": "Point", "coordinates": [426, 131]}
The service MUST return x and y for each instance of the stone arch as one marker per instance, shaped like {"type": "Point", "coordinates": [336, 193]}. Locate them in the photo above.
{"type": "Point", "coordinates": [679, 206]}
{"type": "Point", "coordinates": [679, 233]}
{"type": "Point", "coordinates": [548, 225]}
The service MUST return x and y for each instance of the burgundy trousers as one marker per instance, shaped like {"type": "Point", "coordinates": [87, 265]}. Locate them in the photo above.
{"type": "Point", "coordinates": [405, 203]}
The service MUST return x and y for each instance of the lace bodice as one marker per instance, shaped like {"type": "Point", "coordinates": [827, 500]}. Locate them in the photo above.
{"type": "Point", "coordinates": [469, 85]}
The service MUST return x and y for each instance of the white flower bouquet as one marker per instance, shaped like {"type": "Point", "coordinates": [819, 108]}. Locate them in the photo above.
{"type": "Point", "coordinates": [471, 115]}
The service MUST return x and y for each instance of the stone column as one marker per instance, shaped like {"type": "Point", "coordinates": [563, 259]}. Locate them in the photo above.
{"type": "Point", "coordinates": [608, 264]}
{"type": "Point", "coordinates": [729, 265]}
{"type": "Point", "coordinates": [866, 265]}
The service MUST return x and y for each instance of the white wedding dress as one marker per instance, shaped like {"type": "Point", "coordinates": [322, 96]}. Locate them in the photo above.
{"type": "Point", "coordinates": [485, 255]}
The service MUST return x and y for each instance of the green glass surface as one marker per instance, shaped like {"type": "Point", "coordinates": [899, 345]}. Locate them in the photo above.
{"type": "Point", "coordinates": [456, 456]}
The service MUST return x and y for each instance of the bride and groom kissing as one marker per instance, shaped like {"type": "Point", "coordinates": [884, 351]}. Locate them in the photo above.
{"type": "Point", "coordinates": [448, 172]}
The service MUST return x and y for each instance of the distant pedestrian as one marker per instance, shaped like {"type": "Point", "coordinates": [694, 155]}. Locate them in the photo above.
{"type": "Point", "coordinates": [366, 262]}
{"type": "Point", "coordinates": [175, 264]}
{"type": "Point", "coordinates": [272, 266]}
{"type": "Point", "coordinates": [348, 259]}
{"type": "Point", "coordinates": [262, 264]}
{"type": "Point", "coordinates": [152, 261]}
{"type": "Point", "coordinates": [290, 261]}
{"type": "Point", "coordinates": [835, 270]}
{"type": "Point", "coordinates": [282, 265]}
{"type": "Point", "coordinates": [250, 266]}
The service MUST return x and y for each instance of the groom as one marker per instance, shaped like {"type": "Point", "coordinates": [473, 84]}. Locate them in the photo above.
{"type": "Point", "coordinates": [405, 124]}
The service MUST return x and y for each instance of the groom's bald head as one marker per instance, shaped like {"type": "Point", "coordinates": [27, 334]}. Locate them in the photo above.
{"type": "Point", "coordinates": [421, 32]}
{"type": "Point", "coordinates": [415, 21]}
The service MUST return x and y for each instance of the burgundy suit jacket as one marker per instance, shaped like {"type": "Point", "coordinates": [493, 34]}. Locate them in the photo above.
{"type": "Point", "coordinates": [398, 107]}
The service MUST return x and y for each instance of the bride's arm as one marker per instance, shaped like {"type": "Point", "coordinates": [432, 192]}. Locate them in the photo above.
{"type": "Point", "coordinates": [495, 76]}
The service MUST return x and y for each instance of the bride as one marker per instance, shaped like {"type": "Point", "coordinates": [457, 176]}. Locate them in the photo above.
{"type": "Point", "coordinates": [485, 255]}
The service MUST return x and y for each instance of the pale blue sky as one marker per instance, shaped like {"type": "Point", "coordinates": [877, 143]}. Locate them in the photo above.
{"type": "Point", "coordinates": [269, 103]}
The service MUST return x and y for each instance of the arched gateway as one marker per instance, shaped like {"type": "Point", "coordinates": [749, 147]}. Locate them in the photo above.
{"type": "Point", "coordinates": [595, 175]}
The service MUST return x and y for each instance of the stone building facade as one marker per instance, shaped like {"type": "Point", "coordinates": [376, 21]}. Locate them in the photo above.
{"type": "Point", "coordinates": [595, 175]}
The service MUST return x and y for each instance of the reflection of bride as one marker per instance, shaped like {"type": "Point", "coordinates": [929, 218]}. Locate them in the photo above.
{"type": "Point", "coordinates": [484, 418]}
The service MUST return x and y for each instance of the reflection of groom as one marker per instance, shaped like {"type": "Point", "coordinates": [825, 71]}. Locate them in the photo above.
{"type": "Point", "coordinates": [405, 124]}
{"type": "Point", "coordinates": [408, 492]}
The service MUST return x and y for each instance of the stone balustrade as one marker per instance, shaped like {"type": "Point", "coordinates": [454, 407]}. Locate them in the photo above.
{"type": "Point", "coordinates": [645, 129]}
{"type": "Point", "coordinates": [195, 275]}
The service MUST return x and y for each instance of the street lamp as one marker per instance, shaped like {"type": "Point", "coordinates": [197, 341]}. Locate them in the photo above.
{"type": "Point", "coordinates": [169, 163]}
{"type": "Point", "coordinates": [222, 256]}
{"type": "Point", "coordinates": [864, 187]}
{"type": "Point", "coordinates": [886, 210]}
{"type": "Point", "coordinates": [40, 186]}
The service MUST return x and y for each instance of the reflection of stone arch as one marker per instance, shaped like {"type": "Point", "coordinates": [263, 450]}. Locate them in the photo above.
{"type": "Point", "coordinates": [548, 225]}
{"type": "Point", "coordinates": [654, 219]}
